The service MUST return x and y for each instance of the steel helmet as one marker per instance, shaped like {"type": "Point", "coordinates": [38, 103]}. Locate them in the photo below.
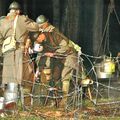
{"type": "Point", "coordinates": [14, 5]}
{"type": "Point", "coordinates": [41, 19]}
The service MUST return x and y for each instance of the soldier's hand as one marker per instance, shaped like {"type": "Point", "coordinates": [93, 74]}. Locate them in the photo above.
{"type": "Point", "coordinates": [118, 54]}
{"type": "Point", "coordinates": [49, 54]}
{"type": "Point", "coordinates": [50, 28]}
{"type": "Point", "coordinates": [26, 50]}
{"type": "Point", "coordinates": [80, 52]}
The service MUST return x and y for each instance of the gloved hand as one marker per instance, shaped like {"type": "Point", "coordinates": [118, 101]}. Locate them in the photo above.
{"type": "Point", "coordinates": [80, 52]}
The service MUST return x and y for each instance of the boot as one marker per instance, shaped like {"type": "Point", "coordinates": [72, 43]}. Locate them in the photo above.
{"type": "Point", "coordinates": [65, 90]}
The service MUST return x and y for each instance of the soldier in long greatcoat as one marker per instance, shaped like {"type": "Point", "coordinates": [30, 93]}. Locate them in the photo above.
{"type": "Point", "coordinates": [15, 60]}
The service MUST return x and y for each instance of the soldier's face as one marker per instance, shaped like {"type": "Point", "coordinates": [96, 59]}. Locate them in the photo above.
{"type": "Point", "coordinates": [15, 11]}
{"type": "Point", "coordinates": [41, 38]}
{"type": "Point", "coordinates": [44, 25]}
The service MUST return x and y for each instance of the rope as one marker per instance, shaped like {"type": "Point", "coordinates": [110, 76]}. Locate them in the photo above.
{"type": "Point", "coordinates": [104, 31]}
{"type": "Point", "coordinates": [117, 17]}
{"type": "Point", "coordinates": [111, 8]}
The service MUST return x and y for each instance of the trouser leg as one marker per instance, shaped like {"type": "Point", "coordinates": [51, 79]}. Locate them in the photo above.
{"type": "Point", "coordinates": [66, 76]}
{"type": "Point", "coordinates": [65, 90]}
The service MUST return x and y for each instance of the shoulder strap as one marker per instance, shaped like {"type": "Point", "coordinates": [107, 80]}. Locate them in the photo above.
{"type": "Point", "coordinates": [15, 22]}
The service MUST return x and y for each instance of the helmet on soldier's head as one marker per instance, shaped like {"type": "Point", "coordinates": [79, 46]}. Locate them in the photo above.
{"type": "Point", "coordinates": [41, 19]}
{"type": "Point", "coordinates": [14, 5]}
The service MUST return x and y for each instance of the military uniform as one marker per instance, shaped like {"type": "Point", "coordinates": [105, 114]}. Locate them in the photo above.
{"type": "Point", "coordinates": [13, 60]}
{"type": "Point", "coordinates": [56, 42]}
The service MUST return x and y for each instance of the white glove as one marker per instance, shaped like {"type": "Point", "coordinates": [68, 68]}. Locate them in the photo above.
{"type": "Point", "coordinates": [80, 52]}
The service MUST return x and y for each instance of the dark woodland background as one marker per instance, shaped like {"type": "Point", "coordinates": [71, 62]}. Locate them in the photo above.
{"type": "Point", "coordinates": [82, 21]}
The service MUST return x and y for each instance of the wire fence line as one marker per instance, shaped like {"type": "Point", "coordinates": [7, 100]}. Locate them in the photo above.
{"type": "Point", "coordinates": [76, 91]}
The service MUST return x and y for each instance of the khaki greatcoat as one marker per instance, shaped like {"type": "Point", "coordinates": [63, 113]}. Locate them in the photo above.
{"type": "Point", "coordinates": [16, 66]}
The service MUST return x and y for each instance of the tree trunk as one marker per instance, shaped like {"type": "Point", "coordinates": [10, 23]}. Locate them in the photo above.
{"type": "Point", "coordinates": [34, 6]}
{"type": "Point", "coordinates": [2, 7]}
{"type": "Point", "coordinates": [73, 19]}
{"type": "Point", "coordinates": [97, 28]}
{"type": "Point", "coordinates": [56, 12]}
{"type": "Point", "coordinates": [25, 7]}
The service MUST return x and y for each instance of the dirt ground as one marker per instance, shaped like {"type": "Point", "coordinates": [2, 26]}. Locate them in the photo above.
{"type": "Point", "coordinates": [85, 109]}
{"type": "Point", "coordinates": [48, 112]}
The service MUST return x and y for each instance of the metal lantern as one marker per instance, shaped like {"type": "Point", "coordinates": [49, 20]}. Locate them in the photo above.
{"type": "Point", "coordinates": [109, 66]}
{"type": "Point", "coordinates": [105, 69]}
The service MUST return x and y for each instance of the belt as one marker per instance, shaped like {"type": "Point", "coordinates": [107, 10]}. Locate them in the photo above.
{"type": "Point", "coordinates": [20, 45]}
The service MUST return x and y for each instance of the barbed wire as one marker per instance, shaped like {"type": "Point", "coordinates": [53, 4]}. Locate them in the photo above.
{"type": "Point", "coordinates": [75, 92]}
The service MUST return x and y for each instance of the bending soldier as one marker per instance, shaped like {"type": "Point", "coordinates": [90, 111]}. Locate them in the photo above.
{"type": "Point", "coordinates": [55, 43]}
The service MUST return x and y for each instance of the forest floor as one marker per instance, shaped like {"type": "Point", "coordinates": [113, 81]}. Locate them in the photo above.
{"type": "Point", "coordinates": [107, 107]}
{"type": "Point", "coordinates": [48, 112]}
